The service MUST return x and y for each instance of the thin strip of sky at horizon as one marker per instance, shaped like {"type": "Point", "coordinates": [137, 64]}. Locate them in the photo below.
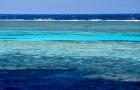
{"type": "Point", "coordinates": [69, 6]}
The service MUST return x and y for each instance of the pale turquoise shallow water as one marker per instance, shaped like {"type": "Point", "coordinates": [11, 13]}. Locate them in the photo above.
{"type": "Point", "coordinates": [63, 30]}
{"type": "Point", "coordinates": [109, 50]}
{"type": "Point", "coordinates": [65, 36]}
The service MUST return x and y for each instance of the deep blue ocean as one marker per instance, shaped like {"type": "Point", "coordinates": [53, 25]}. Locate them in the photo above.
{"type": "Point", "coordinates": [71, 16]}
{"type": "Point", "coordinates": [70, 52]}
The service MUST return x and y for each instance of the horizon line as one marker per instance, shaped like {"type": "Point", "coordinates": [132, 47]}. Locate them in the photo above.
{"type": "Point", "coordinates": [63, 14]}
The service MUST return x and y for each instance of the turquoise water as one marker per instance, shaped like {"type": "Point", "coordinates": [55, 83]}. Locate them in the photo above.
{"type": "Point", "coordinates": [64, 30]}
{"type": "Point", "coordinates": [71, 37]}
{"type": "Point", "coordinates": [104, 49]}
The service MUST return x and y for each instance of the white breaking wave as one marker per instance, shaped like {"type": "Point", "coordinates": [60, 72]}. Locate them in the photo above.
{"type": "Point", "coordinates": [68, 20]}
{"type": "Point", "coordinates": [123, 20]}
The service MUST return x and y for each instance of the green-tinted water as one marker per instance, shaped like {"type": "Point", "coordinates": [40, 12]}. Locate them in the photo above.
{"type": "Point", "coordinates": [109, 50]}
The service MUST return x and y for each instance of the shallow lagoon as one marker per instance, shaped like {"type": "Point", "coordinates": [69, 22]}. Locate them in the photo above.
{"type": "Point", "coordinates": [99, 55]}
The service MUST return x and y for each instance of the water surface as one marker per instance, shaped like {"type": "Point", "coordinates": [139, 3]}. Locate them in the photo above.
{"type": "Point", "coordinates": [81, 51]}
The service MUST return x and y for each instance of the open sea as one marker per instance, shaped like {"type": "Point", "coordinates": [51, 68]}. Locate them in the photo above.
{"type": "Point", "coordinates": [70, 52]}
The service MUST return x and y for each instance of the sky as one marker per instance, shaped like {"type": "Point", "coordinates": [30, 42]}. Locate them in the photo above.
{"type": "Point", "coordinates": [69, 6]}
